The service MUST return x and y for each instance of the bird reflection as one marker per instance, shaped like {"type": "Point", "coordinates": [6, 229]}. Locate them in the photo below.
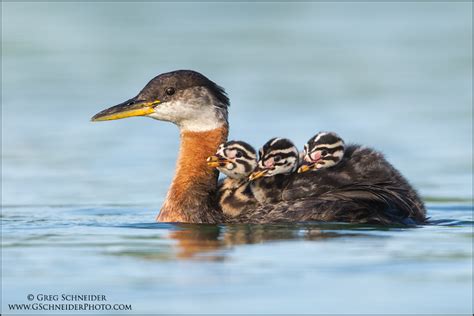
{"type": "Point", "coordinates": [197, 239]}
{"type": "Point", "coordinates": [213, 242]}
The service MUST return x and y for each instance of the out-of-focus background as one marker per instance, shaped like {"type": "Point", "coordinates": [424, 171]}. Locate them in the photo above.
{"type": "Point", "coordinates": [394, 76]}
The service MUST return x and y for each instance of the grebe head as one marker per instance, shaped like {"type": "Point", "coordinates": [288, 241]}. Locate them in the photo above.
{"type": "Point", "coordinates": [323, 150]}
{"type": "Point", "coordinates": [184, 97]}
{"type": "Point", "coordinates": [235, 159]}
{"type": "Point", "coordinates": [277, 156]}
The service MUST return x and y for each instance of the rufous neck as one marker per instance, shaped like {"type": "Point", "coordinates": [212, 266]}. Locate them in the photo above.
{"type": "Point", "coordinates": [191, 197]}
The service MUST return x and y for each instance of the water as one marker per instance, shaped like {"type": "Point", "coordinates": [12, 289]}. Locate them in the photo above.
{"type": "Point", "coordinates": [79, 199]}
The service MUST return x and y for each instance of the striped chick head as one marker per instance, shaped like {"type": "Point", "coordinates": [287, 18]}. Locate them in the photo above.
{"type": "Point", "coordinates": [235, 159]}
{"type": "Point", "coordinates": [323, 150]}
{"type": "Point", "coordinates": [277, 156]}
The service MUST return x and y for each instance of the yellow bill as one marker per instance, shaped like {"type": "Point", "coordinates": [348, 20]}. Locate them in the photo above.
{"type": "Point", "coordinates": [257, 174]}
{"type": "Point", "coordinates": [305, 168]}
{"type": "Point", "coordinates": [126, 109]}
{"type": "Point", "coordinates": [215, 161]}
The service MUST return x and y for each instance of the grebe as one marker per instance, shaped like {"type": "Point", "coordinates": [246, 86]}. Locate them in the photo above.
{"type": "Point", "coordinates": [358, 171]}
{"type": "Point", "coordinates": [199, 107]}
{"type": "Point", "coordinates": [323, 150]}
{"type": "Point", "coordinates": [237, 160]}
{"type": "Point", "coordinates": [278, 158]}
{"type": "Point", "coordinates": [243, 189]}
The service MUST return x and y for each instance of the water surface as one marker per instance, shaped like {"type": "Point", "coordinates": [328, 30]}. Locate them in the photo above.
{"type": "Point", "coordinates": [242, 268]}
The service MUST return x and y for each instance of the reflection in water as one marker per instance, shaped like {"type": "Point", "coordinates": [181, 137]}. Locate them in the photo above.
{"type": "Point", "coordinates": [205, 242]}
{"type": "Point", "coordinates": [196, 239]}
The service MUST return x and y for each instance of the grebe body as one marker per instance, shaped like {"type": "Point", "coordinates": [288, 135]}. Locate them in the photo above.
{"type": "Point", "coordinates": [199, 108]}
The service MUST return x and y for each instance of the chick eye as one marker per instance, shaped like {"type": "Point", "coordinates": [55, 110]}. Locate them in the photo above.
{"type": "Point", "coordinates": [277, 158]}
{"type": "Point", "coordinates": [170, 91]}
{"type": "Point", "coordinates": [238, 154]}
{"type": "Point", "coordinates": [324, 153]}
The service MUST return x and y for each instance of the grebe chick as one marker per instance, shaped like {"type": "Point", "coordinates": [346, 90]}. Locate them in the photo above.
{"type": "Point", "coordinates": [237, 160]}
{"type": "Point", "coordinates": [323, 150]}
{"type": "Point", "coordinates": [278, 158]}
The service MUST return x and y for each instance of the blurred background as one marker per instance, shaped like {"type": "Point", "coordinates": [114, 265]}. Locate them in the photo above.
{"type": "Point", "coordinates": [393, 76]}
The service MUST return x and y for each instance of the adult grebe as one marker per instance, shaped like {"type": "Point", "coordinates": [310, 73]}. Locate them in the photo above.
{"type": "Point", "coordinates": [198, 107]}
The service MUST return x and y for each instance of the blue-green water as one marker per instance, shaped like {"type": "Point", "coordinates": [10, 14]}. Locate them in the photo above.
{"type": "Point", "coordinates": [79, 199]}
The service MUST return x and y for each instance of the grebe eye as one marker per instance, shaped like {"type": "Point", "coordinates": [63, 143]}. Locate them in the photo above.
{"type": "Point", "coordinates": [324, 153]}
{"type": "Point", "coordinates": [238, 154]}
{"type": "Point", "coordinates": [170, 91]}
{"type": "Point", "coordinates": [277, 158]}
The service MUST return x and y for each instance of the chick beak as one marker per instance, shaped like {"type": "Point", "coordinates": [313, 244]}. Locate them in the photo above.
{"type": "Point", "coordinates": [132, 107]}
{"type": "Point", "coordinates": [307, 167]}
{"type": "Point", "coordinates": [216, 161]}
{"type": "Point", "coordinates": [258, 174]}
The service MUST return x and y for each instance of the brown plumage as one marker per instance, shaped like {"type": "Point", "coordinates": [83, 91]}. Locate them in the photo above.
{"type": "Point", "coordinates": [194, 180]}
